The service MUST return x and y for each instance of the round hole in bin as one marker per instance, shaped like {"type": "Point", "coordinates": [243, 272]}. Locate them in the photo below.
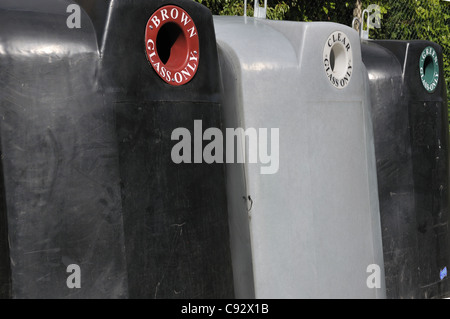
{"type": "Point", "coordinates": [172, 46]}
{"type": "Point", "coordinates": [338, 60]}
{"type": "Point", "coordinates": [332, 60]}
{"type": "Point", "coordinates": [428, 67]}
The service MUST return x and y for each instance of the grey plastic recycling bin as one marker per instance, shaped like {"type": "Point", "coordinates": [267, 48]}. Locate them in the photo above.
{"type": "Point", "coordinates": [307, 226]}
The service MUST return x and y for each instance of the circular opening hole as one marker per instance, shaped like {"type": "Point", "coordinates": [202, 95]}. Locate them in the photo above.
{"type": "Point", "coordinates": [338, 60]}
{"type": "Point", "coordinates": [332, 60]}
{"type": "Point", "coordinates": [171, 45]}
{"type": "Point", "coordinates": [428, 69]}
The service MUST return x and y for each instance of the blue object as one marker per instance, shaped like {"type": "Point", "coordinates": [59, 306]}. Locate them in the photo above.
{"type": "Point", "coordinates": [443, 273]}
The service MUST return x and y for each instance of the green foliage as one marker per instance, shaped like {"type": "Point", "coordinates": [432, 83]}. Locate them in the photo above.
{"type": "Point", "coordinates": [294, 10]}
{"type": "Point", "coordinates": [214, 5]}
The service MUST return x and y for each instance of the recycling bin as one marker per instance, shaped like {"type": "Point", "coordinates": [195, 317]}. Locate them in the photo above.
{"type": "Point", "coordinates": [409, 114]}
{"type": "Point", "coordinates": [92, 203]}
{"type": "Point", "coordinates": [60, 178]}
{"type": "Point", "coordinates": [160, 67]}
{"type": "Point", "coordinates": [301, 178]}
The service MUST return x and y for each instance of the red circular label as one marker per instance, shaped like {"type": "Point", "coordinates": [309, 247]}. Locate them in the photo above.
{"type": "Point", "coordinates": [172, 45]}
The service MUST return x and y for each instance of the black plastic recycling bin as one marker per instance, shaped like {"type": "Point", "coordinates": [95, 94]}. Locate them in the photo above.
{"type": "Point", "coordinates": [86, 123]}
{"type": "Point", "coordinates": [60, 176]}
{"type": "Point", "coordinates": [409, 114]}
{"type": "Point", "coordinates": [175, 215]}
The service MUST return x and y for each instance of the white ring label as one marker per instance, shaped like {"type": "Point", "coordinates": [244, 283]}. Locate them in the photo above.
{"type": "Point", "coordinates": [338, 59]}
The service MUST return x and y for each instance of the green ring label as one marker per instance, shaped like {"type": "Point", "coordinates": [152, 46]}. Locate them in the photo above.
{"type": "Point", "coordinates": [429, 69]}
